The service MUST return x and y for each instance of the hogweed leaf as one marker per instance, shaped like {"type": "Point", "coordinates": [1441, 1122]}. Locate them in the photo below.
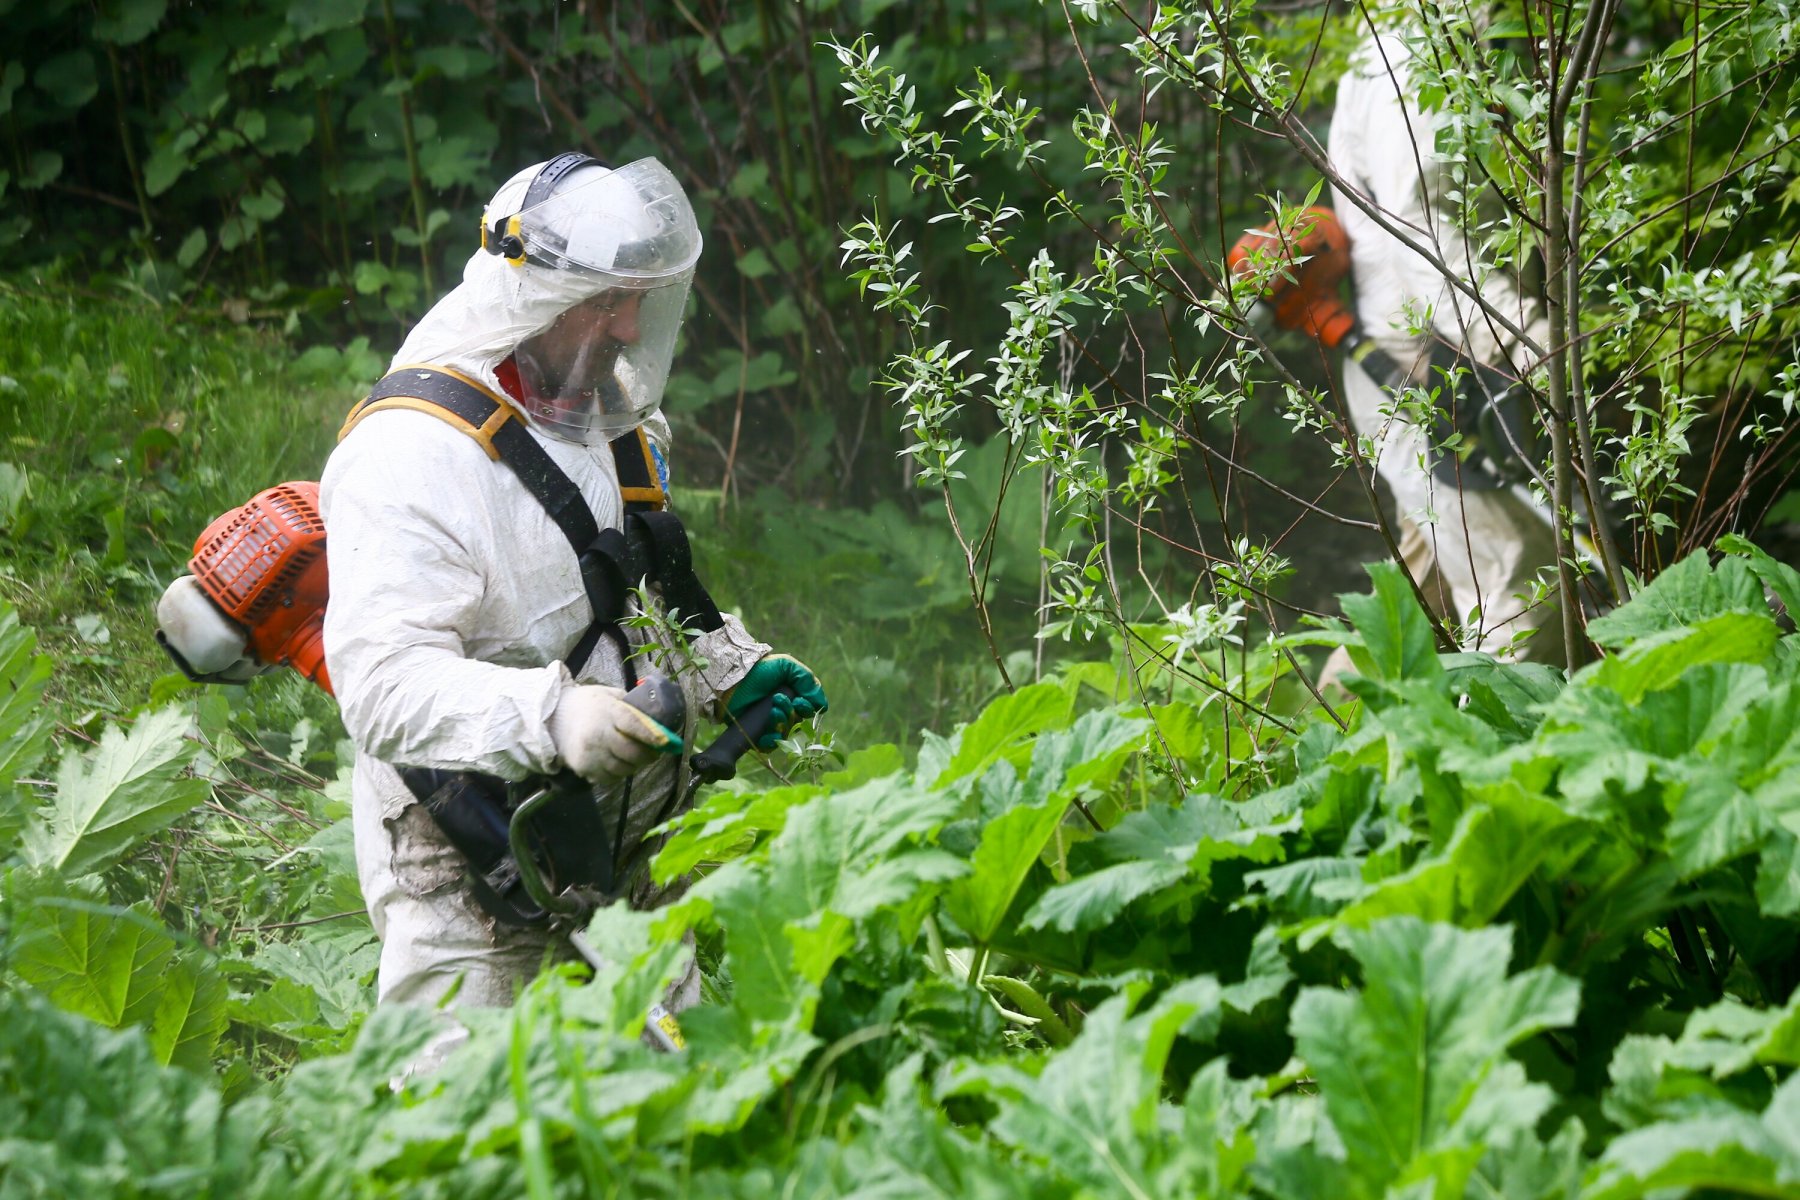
{"type": "Point", "coordinates": [1414, 1065]}
{"type": "Point", "coordinates": [1010, 844]}
{"type": "Point", "coordinates": [120, 967]}
{"type": "Point", "coordinates": [1003, 724]}
{"type": "Point", "coordinates": [108, 800]}
{"type": "Point", "coordinates": [1656, 661]}
{"type": "Point", "coordinates": [1094, 1110]}
{"type": "Point", "coordinates": [1727, 1151]}
{"type": "Point", "coordinates": [1095, 900]}
{"type": "Point", "coordinates": [1395, 635]}
{"type": "Point", "coordinates": [24, 730]}
{"type": "Point", "coordinates": [1686, 593]}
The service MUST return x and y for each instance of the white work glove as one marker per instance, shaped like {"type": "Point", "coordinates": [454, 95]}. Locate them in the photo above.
{"type": "Point", "coordinates": [601, 738]}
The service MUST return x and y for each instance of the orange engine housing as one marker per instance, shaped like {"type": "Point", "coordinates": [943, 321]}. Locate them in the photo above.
{"type": "Point", "coordinates": [264, 565]}
{"type": "Point", "coordinates": [1305, 297]}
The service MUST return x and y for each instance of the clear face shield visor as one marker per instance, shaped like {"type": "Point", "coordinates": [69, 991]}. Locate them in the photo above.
{"type": "Point", "coordinates": [621, 245]}
{"type": "Point", "coordinates": [600, 368]}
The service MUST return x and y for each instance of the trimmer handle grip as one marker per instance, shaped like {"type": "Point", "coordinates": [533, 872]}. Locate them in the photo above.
{"type": "Point", "coordinates": [719, 760]}
{"type": "Point", "coordinates": [659, 697]}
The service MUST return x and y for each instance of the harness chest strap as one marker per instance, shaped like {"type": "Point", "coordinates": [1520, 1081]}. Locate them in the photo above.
{"type": "Point", "coordinates": [652, 542]}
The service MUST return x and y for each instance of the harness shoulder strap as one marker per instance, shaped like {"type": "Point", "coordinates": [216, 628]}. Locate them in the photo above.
{"type": "Point", "coordinates": [612, 561]}
{"type": "Point", "coordinates": [497, 426]}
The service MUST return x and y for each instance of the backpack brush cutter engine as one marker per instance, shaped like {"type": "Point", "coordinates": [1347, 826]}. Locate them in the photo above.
{"type": "Point", "coordinates": [256, 594]}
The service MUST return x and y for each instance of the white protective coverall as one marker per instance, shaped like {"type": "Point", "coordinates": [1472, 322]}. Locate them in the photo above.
{"type": "Point", "coordinates": [454, 598]}
{"type": "Point", "coordinates": [1470, 550]}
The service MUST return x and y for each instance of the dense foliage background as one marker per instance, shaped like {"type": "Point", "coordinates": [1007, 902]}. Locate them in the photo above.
{"type": "Point", "coordinates": [1083, 888]}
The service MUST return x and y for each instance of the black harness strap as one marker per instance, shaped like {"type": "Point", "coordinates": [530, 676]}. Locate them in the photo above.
{"type": "Point", "coordinates": [548, 485]}
{"type": "Point", "coordinates": [652, 544]}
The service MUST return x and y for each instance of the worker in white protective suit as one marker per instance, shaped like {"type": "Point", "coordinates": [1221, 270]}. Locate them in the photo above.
{"type": "Point", "coordinates": [455, 598]}
{"type": "Point", "coordinates": [1478, 550]}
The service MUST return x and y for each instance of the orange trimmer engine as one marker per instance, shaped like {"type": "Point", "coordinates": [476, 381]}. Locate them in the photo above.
{"type": "Point", "coordinates": [1313, 254]}
{"type": "Point", "coordinates": [264, 565]}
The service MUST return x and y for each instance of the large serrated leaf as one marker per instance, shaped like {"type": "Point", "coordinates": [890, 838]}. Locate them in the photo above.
{"type": "Point", "coordinates": [1094, 1110]}
{"type": "Point", "coordinates": [1413, 1067]}
{"type": "Point", "coordinates": [120, 967]}
{"type": "Point", "coordinates": [1394, 639]}
{"type": "Point", "coordinates": [838, 858]}
{"type": "Point", "coordinates": [1686, 593]}
{"type": "Point", "coordinates": [1657, 661]}
{"type": "Point", "coordinates": [129, 787]}
{"type": "Point", "coordinates": [127, 22]}
{"type": "Point", "coordinates": [1093, 901]}
{"type": "Point", "coordinates": [1494, 849]}
{"type": "Point", "coordinates": [1724, 1151]}
{"type": "Point", "coordinates": [24, 731]}
{"type": "Point", "coordinates": [1010, 844]}
{"type": "Point", "coordinates": [1004, 724]}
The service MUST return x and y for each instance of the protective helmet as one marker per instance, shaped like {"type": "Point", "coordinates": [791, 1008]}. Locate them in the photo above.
{"type": "Point", "coordinates": [616, 249]}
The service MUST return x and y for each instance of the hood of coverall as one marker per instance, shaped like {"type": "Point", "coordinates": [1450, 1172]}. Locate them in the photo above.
{"type": "Point", "coordinates": [626, 236]}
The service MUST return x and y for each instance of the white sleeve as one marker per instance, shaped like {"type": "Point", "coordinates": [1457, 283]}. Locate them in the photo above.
{"type": "Point", "coordinates": [407, 581]}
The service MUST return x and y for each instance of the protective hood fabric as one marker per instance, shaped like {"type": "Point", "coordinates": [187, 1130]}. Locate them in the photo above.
{"type": "Point", "coordinates": [636, 220]}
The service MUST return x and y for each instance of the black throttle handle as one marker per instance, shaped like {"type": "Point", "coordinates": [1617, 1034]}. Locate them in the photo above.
{"type": "Point", "coordinates": [719, 760]}
{"type": "Point", "coordinates": [659, 698]}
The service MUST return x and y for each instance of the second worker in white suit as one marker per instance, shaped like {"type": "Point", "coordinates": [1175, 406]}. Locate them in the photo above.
{"type": "Point", "coordinates": [1476, 546]}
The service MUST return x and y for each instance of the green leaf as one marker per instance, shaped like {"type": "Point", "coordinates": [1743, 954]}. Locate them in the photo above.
{"type": "Point", "coordinates": [1730, 1037]}
{"type": "Point", "coordinates": [1655, 661]}
{"type": "Point", "coordinates": [1777, 576]}
{"type": "Point", "coordinates": [131, 786]}
{"type": "Point", "coordinates": [1095, 901]}
{"type": "Point", "coordinates": [1684, 594]}
{"type": "Point", "coordinates": [1094, 1112]}
{"type": "Point", "coordinates": [1778, 875]}
{"type": "Point", "coordinates": [127, 22]}
{"type": "Point", "coordinates": [323, 16]}
{"type": "Point", "coordinates": [1003, 724]}
{"type": "Point", "coordinates": [838, 858]}
{"type": "Point", "coordinates": [190, 1014]}
{"type": "Point", "coordinates": [727, 822]}
{"type": "Point", "coordinates": [1413, 1067]}
{"type": "Point", "coordinates": [192, 247]}
{"type": "Point", "coordinates": [43, 167]}
{"type": "Point", "coordinates": [754, 263]}
{"type": "Point", "coordinates": [264, 206]}
{"type": "Point", "coordinates": [453, 61]}
{"type": "Point", "coordinates": [119, 967]}
{"type": "Point", "coordinates": [1494, 849]}
{"type": "Point", "coordinates": [165, 165]}
{"type": "Point", "coordinates": [91, 1113]}
{"type": "Point", "coordinates": [1010, 844]}
{"type": "Point", "coordinates": [1158, 847]}
{"type": "Point", "coordinates": [752, 180]}
{"type": "Point", "coordinates": [69, 79]}
{"type": "Point", "coordinates": [12, 78]}
{"type": "Point", "coordinates": [1724, 1151]}
{"type": "Point", "coordinates": [24, 727]}
{"type": "Point", "coordinates": [1395, 635]}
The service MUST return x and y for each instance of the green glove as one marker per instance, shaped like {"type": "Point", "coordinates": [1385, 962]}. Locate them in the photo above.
{"type": "Point", "coordinates": [794, 688]}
